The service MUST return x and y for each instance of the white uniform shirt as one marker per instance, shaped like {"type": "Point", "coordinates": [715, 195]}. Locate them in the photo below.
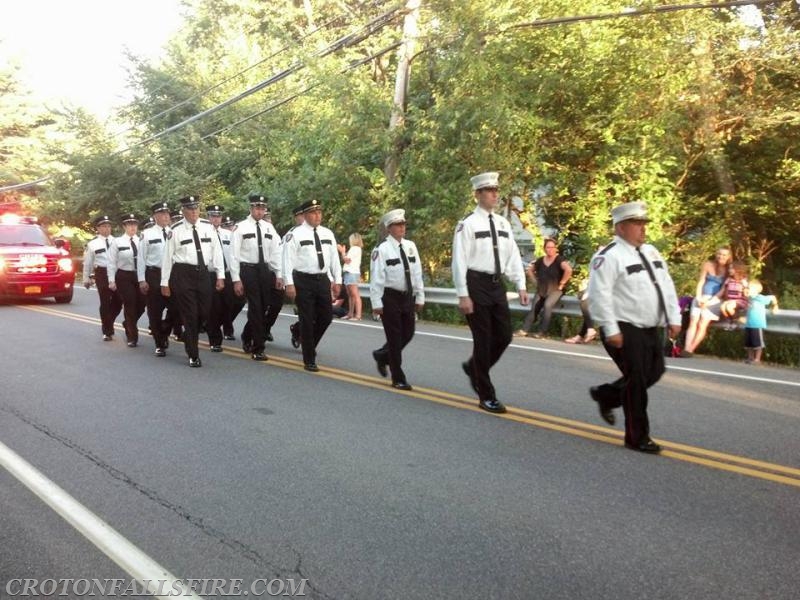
{"type": "Point", "coordinates": [95, 255]}
{"type": "Point", "coordinates": [300, 254]}
{"type": "Point", "coordinates": [472, 250]}
{"type": "Point", "coordinates": [181, 249]}
{"type": "Point", "coordinates": [245, 246]}
{"type": "Point", "coordinates": [121, 255]}
{"type": "Point", "coordinates": [151, 249]}
{"type": "Point", "coordinates": [226, 241]}
{"type": "Point", "coordinates": [387, 271]}
{"type": "Point", "coordinates": [620, 288]}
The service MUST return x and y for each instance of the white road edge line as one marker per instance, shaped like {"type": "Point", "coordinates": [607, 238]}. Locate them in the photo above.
{"type": "Point", "coordinates": [583, 355]}
{"type": "Point", "coordinates": [568, 353]}
{"type": "Point", "coordinates": [132, 560]}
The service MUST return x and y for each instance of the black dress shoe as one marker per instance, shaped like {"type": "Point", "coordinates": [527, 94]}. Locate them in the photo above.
{"type": "Point", "coordinates": [605, 413]}
{"type": "Point", "coordinates": [380, 362]}
{"type": "Point", "coordinates": [269, 337]}
{"type": "Point", "coordinates": [160, 352]}
{"type": "Point", "coordinates": [216, 348]}
{"type": "Point", "coordinates": [195, 362]}
{"type": "Point", "coordinates": [468, 373]}
{"type": "Point", "coordinates": [402, 385]}
{"type": "Point", "coordinates": [648, 446]}
{"type": "Point", "coordinates": [132, 344]}
{"type": "Point", "coordinates": [108, 338]}
{"type": "Point", "coordinates": [493, 405]}
{"type": "Point", "coordinates": [230, 337]}
{"type": "Point", "coordinates": [247, 347]}
{"type": "Point", "coordinates": [259, 356]}
{"type": "Point", "coordinates": [311, 367]}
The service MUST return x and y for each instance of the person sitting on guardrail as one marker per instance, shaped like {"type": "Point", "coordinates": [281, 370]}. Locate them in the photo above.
{"type": "Point", "coordinates": [706, 304]}
{"type": "Point", "coordinates": [734, 294]}
{"type": "Point", "coordinates": [756, 321]}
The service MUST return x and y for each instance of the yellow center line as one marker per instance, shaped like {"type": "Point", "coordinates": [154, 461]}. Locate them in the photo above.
{"type": "Point", "coordinates": [675, 450]}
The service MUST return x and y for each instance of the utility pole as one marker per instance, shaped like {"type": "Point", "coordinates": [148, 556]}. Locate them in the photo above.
{"type": "Point", "coordinates": [406, 51]}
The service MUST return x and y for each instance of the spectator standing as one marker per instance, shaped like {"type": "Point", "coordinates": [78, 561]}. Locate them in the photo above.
{"type": "Point", "coordinates": [756, 321]}
{"type": "Point", "coordinates": [351, 274]}
{"type": "Point", "coordinates": [551, 273]}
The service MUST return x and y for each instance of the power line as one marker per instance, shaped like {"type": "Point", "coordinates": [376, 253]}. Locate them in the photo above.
{"type": "Point", "coordinates": [305, 90]}
{"type": "Point", "coordinates": [640, 12]}
{"type": "Point", "coordinates": [200, 94]}
{"type": "Point", "coordinates": [351, 39]}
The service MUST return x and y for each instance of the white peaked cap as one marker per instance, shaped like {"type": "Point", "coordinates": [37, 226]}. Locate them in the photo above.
{"type": "Point", "coordinates": [485, 180]}
{"type": "Point", "coordinates": [398, 215]}
{"type": "Point", "coordinates": [632, 211]}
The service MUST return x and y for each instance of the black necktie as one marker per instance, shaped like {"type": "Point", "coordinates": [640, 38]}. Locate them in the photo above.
{"type": "Point", "coordinates": [164, 232]}
{"type": "Point", "coordinates": [494, 247]}
{"type": "Point", "coordinates": [200, 262]}
{"type": "Point", "coordinates": [260, 244]}
{"type": "Point", "coordinates": [655, 283]}
{"type": "Point", "coordinates": [404, 258]}
{"type": "Point", "coordinates": [108, 245]}
{"type": "Point", "coordinates": [224, 262]}
{"type": "Point", "coordinates": [135, 255]}
{"type": "Point", "coordinates": [318, 246]}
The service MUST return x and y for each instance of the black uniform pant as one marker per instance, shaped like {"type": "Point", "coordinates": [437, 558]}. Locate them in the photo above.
{"type": "Point", "coordinates": [110, 302]}
{"type": "Point", "coordinates": [641, 361]}
{"type": "Point", "coordinates": [192, 288]}
{"type": "Point", "coordinates": [398, 325]}
{"type": "Point", "coordinates": [232, 306]}
{"type": "Point", "coordinates": [315, 309]}
{"type": "Point", "coordinates": [490, 324]}
{"type": "Point", "coordinates": [133, 302]}
{"type": "Point", "coordinates": [276, 299]}
{"type": "Point", "coordinates": [216, 313]}
{"type": "Point", "coordinates": [160, 326]}
{"type": "Point", "coordinates": [258, 282]}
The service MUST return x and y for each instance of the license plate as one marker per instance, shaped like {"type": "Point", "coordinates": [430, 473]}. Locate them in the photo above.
{"type": "Point", "coordinates": [33, 289]}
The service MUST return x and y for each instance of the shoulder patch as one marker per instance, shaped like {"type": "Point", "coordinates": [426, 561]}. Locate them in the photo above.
{"type": "Point", "coordinates": [375, 254]}
{"type": "Point", "coordinates": [597, 262]}
{"type": "Point", "coordinates": [289, 236]}
{"type": "Point", "coordinates": [169, 234]}
{"type": "Point", "coordinates": [460, 227]}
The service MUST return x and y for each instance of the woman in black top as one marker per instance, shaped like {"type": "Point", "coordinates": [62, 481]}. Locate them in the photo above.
{"type": "Point", "coordinates": [551, 272]}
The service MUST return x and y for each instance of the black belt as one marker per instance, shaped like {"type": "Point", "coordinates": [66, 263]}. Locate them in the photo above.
{"type": "Point", "coordinates": [100, 268]}
{"type": "Point", "coordinates": [481, 275]}
{"type": "Point", "coordinates": [188, 267]}
{"type": "Point", "coordinates": [253, 265]}
{"type": "Point", "coordinates": [303, 275]}
{"type": "Point", "coordinates": [394, 292]}
{"type": "Point", "coordinates": [152, 268]}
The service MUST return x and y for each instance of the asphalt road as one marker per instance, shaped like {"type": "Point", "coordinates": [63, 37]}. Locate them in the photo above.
{"type": "Point", "coordinates": [262, 471]}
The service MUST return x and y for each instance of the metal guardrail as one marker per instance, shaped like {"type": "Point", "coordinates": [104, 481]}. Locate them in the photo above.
{"type": "Point", "coordinates": [783, 321]}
